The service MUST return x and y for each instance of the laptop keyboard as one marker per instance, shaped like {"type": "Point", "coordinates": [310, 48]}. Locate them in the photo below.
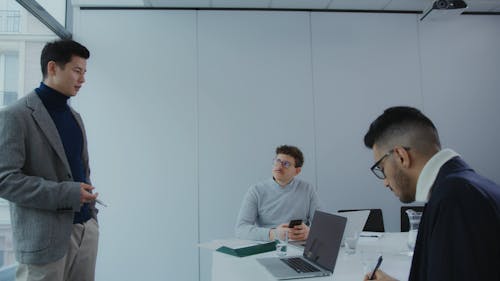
{"type": "Point", "coordinates": [299, 265]}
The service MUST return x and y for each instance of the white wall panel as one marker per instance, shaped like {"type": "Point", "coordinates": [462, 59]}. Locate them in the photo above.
{"type": "Point", "coordinates": [461, 66]}
{"type": "Point", "coordinates": [139, 106]}
{"type": "Point", "coordinates": [363, 63]}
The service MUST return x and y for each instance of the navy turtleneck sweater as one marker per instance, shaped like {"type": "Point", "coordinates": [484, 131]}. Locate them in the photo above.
{"type": "Point", "coordinates": [71, 137]}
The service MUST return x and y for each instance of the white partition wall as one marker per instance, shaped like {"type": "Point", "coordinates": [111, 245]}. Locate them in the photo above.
{"type": "Point", "coordinates": [139, 107]}
{"type": "Point", "coordinates": [185, 108]}
{"type": "Point", "coordinates": [363, 63]}
{"type": "Point", "coordinates": [461, 82]}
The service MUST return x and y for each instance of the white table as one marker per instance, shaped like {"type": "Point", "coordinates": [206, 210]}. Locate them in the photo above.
{"type": "Point", "coordinates": [349, 267]}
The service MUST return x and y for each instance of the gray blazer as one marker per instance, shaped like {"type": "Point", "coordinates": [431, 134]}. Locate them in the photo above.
{"type": "Point", "coordinates": [36, 178]}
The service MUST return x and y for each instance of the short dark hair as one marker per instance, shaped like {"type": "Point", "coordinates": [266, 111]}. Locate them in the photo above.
{"type": "Point", "coordinates": [403, 123]}
{"type": "Point", "coordinates": [61, 52]}
{"type": "Point", "coordinates": [292, 151]}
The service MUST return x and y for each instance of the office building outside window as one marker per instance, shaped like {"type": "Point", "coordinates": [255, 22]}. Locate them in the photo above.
{"type": "Point", "coordinates": [22, 38]}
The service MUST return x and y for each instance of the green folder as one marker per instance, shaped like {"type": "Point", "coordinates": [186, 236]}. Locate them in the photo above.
{"type": "Point", "coordinates": [248, 251]}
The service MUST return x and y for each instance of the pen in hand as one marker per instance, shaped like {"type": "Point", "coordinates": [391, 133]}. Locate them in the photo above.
{"type": "Point", "coordinates": [100, 203]}
{"type": "Point", "coordinates": [379, 262]}
{"type": "Point", "coordinates": [87, 195]}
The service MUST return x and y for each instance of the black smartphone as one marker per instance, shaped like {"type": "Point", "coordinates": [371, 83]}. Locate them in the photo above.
{"type": "Point", "coordinates": [294, 223]}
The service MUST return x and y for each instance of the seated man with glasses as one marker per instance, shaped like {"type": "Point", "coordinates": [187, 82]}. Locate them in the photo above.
{"type": "Point", "coordinates": [273, 203]}
{"type": "Point", "coordinates": [458, 236]}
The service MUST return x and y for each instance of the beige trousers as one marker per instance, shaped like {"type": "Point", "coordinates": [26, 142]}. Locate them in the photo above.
{"type": "Point", "coordinates": [77, 265]}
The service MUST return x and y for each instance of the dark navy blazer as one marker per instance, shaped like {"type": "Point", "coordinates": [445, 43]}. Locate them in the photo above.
{"type": "Point", "coordinates": [459, 234]}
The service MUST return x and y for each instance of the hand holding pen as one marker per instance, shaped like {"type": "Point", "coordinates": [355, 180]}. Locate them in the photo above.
{"type": "Point", "coordinates": [379, 262]}
{"type": "Point", "coordinates": [377, 274]}
{"type": "Point", "coordinates": [86, 195]}
{"type": "Point", "coordinates": [380, 276]}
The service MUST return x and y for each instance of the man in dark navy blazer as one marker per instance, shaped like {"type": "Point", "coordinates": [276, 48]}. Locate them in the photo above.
{"type": "Point", "coordinates": [459, 234]}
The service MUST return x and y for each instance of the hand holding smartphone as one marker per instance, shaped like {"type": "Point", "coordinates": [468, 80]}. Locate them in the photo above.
{"type": "Point", "coordinates": [293, 223]}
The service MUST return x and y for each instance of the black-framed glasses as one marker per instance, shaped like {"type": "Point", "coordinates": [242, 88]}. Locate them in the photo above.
{"type": "Point", "coordinates": [283, 163]}
{"type": "Point", "coordinates": [377, 170]}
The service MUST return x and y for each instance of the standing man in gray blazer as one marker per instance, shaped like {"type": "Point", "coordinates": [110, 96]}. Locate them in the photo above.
{"type": "Point", "coordinates": [44, 173]}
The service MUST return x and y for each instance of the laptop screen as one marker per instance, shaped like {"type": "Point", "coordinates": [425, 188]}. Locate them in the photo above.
{"type": "Point", "coordinates": [323, 242]}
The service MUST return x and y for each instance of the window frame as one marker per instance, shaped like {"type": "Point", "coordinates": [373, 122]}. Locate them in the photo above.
{"type": "Point", "coordinates": [47, 19]}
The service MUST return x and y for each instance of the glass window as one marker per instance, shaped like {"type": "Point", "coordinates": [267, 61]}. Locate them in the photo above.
{"type": "Point", "coordinates": [57, 8]}
{"type": "Point", "coordinates": [9, 20]}
{"type": "Point", "coordinates": [22, 38]}
{"type": "Point", "coordinates": [9, 63]}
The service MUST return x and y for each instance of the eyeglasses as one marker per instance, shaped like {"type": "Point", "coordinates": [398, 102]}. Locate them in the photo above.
{"type": "Point", "coordinates": [283, 163]}
{"type": "Point", "coordinates": [377, 170]}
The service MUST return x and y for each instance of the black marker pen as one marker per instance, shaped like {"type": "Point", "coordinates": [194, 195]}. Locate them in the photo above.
{"type": "Point", "coordinates": [379, 262]}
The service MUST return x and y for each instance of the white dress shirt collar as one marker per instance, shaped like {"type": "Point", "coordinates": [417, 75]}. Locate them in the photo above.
{"type": "Point", "coordinates": [430, 172]}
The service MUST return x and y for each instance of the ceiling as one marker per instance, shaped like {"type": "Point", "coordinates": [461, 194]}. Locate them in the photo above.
{"type": "Point", "coordinates": [481, 6]}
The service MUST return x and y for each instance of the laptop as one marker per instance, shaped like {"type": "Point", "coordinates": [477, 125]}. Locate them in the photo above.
{"type": "Point", "coordinates": [320, 253]}
{"type": "Point", "coordinates": [356, 221]}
